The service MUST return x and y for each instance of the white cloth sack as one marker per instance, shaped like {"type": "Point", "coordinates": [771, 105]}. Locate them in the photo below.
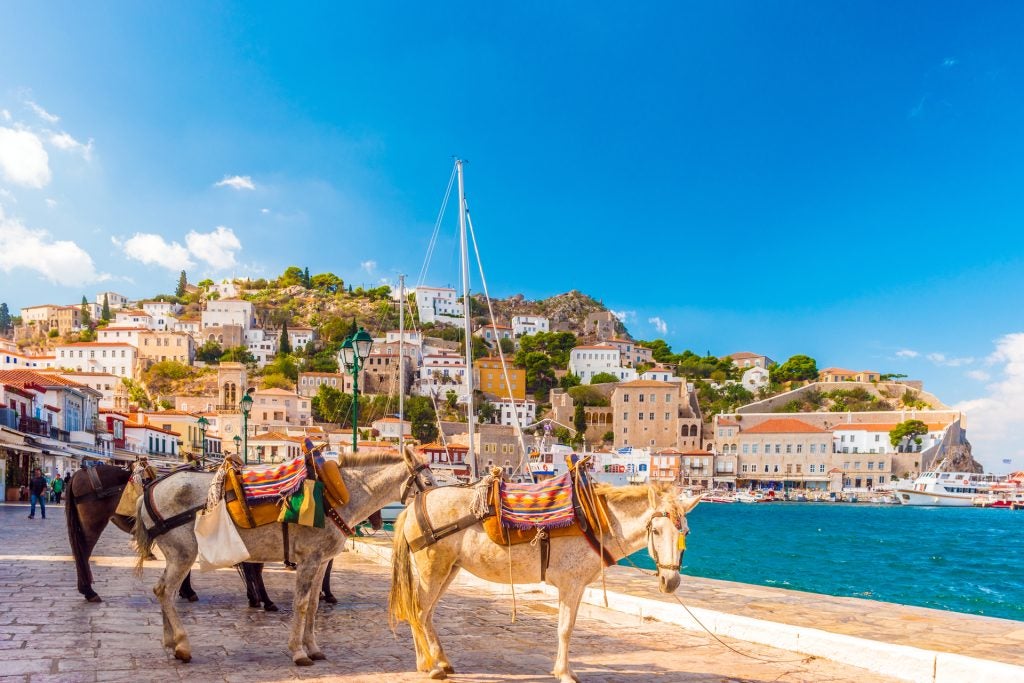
{"type": "Point", "coordinates": [218, 539]}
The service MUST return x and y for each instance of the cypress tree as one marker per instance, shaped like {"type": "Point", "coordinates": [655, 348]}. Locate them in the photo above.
{"type": "Point", "coordinates": [105, 313]}
{"type": "Point", "coordinates": [182, 281]}
{"type": "Point", "coordinates": [5, 318]}
{"type": "Point", "coordinates": [86, 317]}
{"type": "Point", "coordinates": [284, 346]}
{"type": "Point", "coordinates": [306, 282]}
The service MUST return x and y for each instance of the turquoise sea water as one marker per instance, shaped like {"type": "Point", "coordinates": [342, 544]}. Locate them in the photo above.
{"type": "Point", "coordinates": [959, 559]}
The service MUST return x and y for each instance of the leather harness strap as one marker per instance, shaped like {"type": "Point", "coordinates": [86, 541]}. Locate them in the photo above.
{"type": "Point", "coordinates": [98, 491]}
{"type": "Point", "coordinates": [430, 534]}
{"type": "Point", "coordinates": [160, 524]}
{"type": "Point", "coordinates": [284, 536]}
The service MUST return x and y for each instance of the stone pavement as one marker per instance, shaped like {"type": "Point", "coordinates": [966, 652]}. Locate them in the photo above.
{"type": "Point", "coordinates": [49, 633]}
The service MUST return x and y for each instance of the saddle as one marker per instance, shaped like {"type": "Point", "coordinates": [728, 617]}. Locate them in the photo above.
{"type": "Point", "coordinates": [253, 495]}
{"type": "Point", "coordinates": [522, 511]}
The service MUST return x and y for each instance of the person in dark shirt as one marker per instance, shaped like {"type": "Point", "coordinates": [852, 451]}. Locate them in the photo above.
{"type": "Point", "coordinates": [37, 491]}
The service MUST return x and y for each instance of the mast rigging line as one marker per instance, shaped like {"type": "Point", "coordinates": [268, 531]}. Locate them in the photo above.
{"type": "Point", "coordinates": [501, 354]}
{"type": "Point", "coordinates": [437, 226]}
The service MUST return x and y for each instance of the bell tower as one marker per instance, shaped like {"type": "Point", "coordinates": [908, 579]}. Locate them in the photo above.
{"type": "Point", "coordinates": [232, 382]}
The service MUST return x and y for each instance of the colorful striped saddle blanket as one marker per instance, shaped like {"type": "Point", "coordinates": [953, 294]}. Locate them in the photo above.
{"type": "Point", "coordinates": [270, 483]}
{"type": "Point", "coordinates": [546, 504]}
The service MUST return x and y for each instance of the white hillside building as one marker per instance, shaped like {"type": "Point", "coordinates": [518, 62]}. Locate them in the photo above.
{"type": "Point", "coordinates": [111, 357]}
{"type": "Point", "coordinates": [223, 312]}
{"type": "Point", "coordinates": [440, 373]}
{"type": "Point", "coordinates": [587, 361]}
{"type": "Point", "coordinates": [439, 305]}
{"type": "Point", "coordinates": [523, 325]}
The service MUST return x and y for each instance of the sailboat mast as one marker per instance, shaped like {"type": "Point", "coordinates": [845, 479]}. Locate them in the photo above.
{"type": "Point", "coordinates": [464, 253]}
{"type": "Point", "coordinates": [401, 364]}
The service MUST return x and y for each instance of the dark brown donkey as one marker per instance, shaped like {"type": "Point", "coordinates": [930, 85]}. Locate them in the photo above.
{"type": "Point", "coordinates": [92, 498]}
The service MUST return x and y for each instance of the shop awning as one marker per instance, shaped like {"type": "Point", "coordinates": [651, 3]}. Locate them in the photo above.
{"type": "Point", "coordinates": [21, 448]}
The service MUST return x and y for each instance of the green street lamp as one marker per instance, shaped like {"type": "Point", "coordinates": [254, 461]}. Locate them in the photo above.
{"type": "Point", "coordinates": [354, 352]}
{"type": "Point", "coordinates": [203, 424]}
{"type": "Point", "coordinates": [238, 444]}
{"type": "Point", "coordinates": [246, 404]}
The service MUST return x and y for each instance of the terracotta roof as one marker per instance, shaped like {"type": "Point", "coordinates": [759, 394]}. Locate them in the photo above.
{"type": "Point", "coordinates": [647, 383]}
{"type": "Point", "coordinates": [668, 451]}
{"type": "Point", "coordinates": [276, 392]}
{"type": "Point", "coordinates": [598, 347]}
{"type": "Point", "coordinates": [881, 427]}
{"type": "Point", "coordinates": [139, 425]}
{"type": "Point", "coordinates": [96, 345]}
{"type": "Point", "coordinates": [836, 371]}
{"type": "Point", "coordinates": [275, 436]}
{"type": "Point", "coordinates": [23, 377]}
{"type": "Point", "coordinates": [784, 425]}
{"type": "Point", "coordinates": [728, 423]}
{"type": "Point", "coordinates": [697, 452]}
{"type": "Point", "coordinates": [440, 447]}
{"type": "Point", "coordinates": [740, 355]}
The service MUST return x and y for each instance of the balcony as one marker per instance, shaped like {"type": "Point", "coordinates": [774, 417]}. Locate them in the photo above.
{"type": "Point", "coordinates": [8, 418]}
{"type": "Point", "coordinates": [58, 434]}
{"type": "Point", "coordinates": [31, 425]}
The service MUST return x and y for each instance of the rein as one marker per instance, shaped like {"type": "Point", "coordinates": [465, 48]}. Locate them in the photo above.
{"type": "Point", "coordinates": [413, 480]}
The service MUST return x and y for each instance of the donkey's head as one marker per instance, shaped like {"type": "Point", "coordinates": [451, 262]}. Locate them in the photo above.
{"type": "Point", "coordinates": [666, 533]}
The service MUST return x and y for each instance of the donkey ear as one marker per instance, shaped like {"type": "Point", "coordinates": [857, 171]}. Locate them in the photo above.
{"type": "Point", "coordinates": [652, 497]}
{"type": "Point", "coordinates": [689, 503]}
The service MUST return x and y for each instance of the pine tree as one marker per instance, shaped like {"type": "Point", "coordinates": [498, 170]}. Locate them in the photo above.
{"type": "Point", "coordinates": [182, 281]}
{"type": "Point", "coordinates": [86, 316]}
{"type": "Point", "coordinates": [284, 346]}
{"type": "Point", "coordinates": [306, 282]}
{"type": "Point", "coordinates": [105, 313]}
{"type": "Point", "coordinates": [5, 318]}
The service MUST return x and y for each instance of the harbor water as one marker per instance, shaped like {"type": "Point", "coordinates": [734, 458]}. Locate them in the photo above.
{"type": "Point", "coordinates": [960, 559]}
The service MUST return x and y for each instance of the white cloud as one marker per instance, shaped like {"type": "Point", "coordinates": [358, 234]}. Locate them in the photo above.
{"type": "Point", "coordinates": [264, 211]}
{"type": "Point", "coordinates": [979, 375]}
{"type": "Point", "coordinates": [996, 421]}
{"type": "Point", "coordinates": [5, 115]}
{"type": "Point", "coordinates": [659, 324]}
{"type": "Point", "coordinates": [67, 143]}
{"type": "Point", "coordinates": [907, 353]}
{"type": "Point", "coordinates": [943, 359]}
{"type": "Point", "coordinates": [61, 262]}
{"type": "Point", "coordinates": [238, 182]}
{"type": "Point", "coordinates": [42, 113]}
{"type": "Point", "coordinates": [623, 316]}
{"type": "Point", "coordinates": [217, 248]}
{"type": "Point", "coordinates": [23, 160]}
{"type": "Point", "coordinates": [369, 266]}
{"type": "Point", "coordinates": [51, 202]}
{"type": "Point", "coordinates": [153, 249]}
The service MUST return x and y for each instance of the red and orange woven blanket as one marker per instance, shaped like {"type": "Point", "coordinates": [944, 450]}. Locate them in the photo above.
{"type": "Point", "coordinates": [547, 504]}
{"type": "Point", "coordinates": [265, 483]}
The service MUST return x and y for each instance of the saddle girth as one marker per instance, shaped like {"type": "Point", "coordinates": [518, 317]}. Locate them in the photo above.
{"type": "Point", "coordinates": [160, 524]}
{"type": "Point", "coordinates": [430, 534]}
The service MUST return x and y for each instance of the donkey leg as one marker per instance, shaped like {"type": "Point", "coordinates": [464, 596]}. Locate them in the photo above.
{"type": "Point", "coordinates": [92, 527]}
{"type": "Point", "coordinates": [309, 638]}
{"type": "Point", "coordinates": [185, 591]}
{"type": "Point", "coordinates": [261, 589]}
{"type": "Point", "coordinates": [306, 573]}
{"type": "Point", "coordinates": [325, 586]}
{"type": "Point", "coordinates": [569, 595]}
{"type": "Point", "coordinates": [174, 573]}
{"type": "Point", "coordinates": [434, 581]}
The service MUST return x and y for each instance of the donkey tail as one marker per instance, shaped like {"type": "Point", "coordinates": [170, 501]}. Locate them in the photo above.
{"type": "Point", "coordinates": [143, 541]}
{"type": "Point", "coordinates": [403, 602]}
{"type": "Point", "coordinates": [76, 537]}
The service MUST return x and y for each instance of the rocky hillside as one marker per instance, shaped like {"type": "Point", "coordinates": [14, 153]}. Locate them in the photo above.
{"type": "Point", "coordinates": [566, 312]}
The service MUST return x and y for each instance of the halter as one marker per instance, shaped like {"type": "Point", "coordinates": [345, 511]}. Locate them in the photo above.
{"type": "Point", "coordinates": [653, 549]}
{"type": "Point", "coordinates": [414, 480]}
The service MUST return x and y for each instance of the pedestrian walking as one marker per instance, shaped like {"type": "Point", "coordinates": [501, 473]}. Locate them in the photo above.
{"type": "Point", "coordinates": [37, 493]}
{"type": "Point", "coordinates": [58, 488]}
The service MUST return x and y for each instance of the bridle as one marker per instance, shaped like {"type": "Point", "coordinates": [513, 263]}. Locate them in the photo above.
{"type": "Point", "coordinates": [414, 480]}
{"type": "Point", "coordinates": [653, 549]}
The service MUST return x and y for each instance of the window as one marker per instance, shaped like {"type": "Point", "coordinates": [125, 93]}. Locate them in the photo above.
{"type": "Point", "coordinates": [766, 467]}
{"type": "Point", "coordinates": [813, 447]}
{"type": "Point", "coordinates": [666, 416]}
{"type": "Point", "coordinates": [625, 416]}
{"type": "Point", "coordinates": [881, 465]}
{"type": "Point", "coordinates": [753, 448]}
{"type": "Point", "coordinates": [641, 398]}
{"type": "Point", "coordinates": [746, 448]}
{"type": "Point", "coordinates": [743, 468]}
{"type": "Point", "coordinates": [640, 415]}
{"type": "Point", "coordinates": [652, 398]}
{"type": "Point", "coordinates": [856, 465]}
{"type": "Point", "coordinates": [799, 467]}
{"type": "Point", "coordinates": [668, 398]}
{"type": "Point", "coordinates": [799, 448]}
{"type": "Point", "coordinates": [778, 448]}
{"type": "Point", "coordinates": [650, 416]}
{"type": "Point", "coordinates": [789, 448]}
{"type": "Point", "coordinates": [767, 449]}
{"type": "Point", "coordinates": [625, 398]}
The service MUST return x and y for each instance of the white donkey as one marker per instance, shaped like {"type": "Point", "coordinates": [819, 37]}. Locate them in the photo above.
{"type": "Point", "coordinates": [638, 515]}
{"type": "Point", "coordinates": [373, 480]}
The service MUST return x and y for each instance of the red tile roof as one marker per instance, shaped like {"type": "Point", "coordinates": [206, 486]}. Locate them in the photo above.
{"type": "Point", "coordinates": [784, 425]}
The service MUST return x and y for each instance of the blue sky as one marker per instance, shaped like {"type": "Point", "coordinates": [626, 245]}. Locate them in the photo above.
{"type": "Point", "coordinates": [837, 179]}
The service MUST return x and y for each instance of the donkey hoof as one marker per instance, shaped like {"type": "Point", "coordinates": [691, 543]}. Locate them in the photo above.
{"type": "Point", "coordinates": [183, 654]}
{"type": "Point", "coordinates": [94, 598]}
{"type": "Point", "coordinates": [449, 669]}
{"type": "Point", "coordinates": [438, 674]}
{"type": "Point", "coordinates": [331, 599]}
{"type": "Point", "coordinates": [303, 661]}
{"type": "Point", "coordinates": [317, 656]}
{"type": "Point", "coordinates": [193, 598]}
{"type": "Point", "coordinates": [254, 604]}
{"type": "Point", "coordinates": [270, 607]}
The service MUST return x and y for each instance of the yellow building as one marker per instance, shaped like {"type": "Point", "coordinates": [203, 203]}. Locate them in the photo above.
{"type": "Point", "coordinates": [489, 378]}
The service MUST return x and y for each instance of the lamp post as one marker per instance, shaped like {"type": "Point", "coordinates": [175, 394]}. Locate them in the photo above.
{"type": "Point", "coordinates": [203, 424]}
{"type": "Point", "coordinates": [246, 404]}
{"type": "Point", "coordinates": [354, 352]}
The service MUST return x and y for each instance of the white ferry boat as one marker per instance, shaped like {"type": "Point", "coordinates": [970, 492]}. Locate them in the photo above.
{"type": "Point", "coordinates": [946, 489]}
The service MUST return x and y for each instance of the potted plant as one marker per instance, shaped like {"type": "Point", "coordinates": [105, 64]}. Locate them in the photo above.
{"type": "Point", "coordinates": [14, 482]}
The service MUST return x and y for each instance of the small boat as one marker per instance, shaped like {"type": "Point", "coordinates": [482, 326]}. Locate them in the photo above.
{"type": "Point", "coordinates": [718, 497]}
{"type": "Point", "coordinates": [756, 497]}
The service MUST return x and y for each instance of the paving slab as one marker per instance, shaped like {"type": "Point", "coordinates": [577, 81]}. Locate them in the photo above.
{"type": "Point", "coordinates": [48, 632]}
